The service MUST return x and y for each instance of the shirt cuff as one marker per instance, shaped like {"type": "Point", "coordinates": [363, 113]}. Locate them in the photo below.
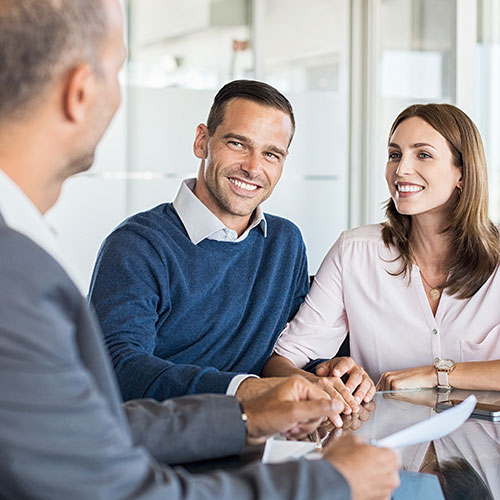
{"type": "Point", "coordinates": [236, 381]}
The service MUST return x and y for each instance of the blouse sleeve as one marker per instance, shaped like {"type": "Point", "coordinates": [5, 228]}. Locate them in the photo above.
{"type": "Point", "coordinates": [320, 326]}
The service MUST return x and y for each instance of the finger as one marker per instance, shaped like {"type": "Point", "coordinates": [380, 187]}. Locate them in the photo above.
{"type": "Point", "coordinates": [343, 366]}
{"type": "Point", "coordinates": [303, 429]}
{"type": "Point", "coordinates": [323, 369]}
{"type": "Point", "coordinates": [327, 385]}
{"type": "Point", "coordinates": [370, 393]}
{"type": "Point", "coordinates": [346, 394]}
{"type": "Point", "coordinates": [308, 428]}
{"type": "Point", "coordinates": [363, 388]}
{"type": "Point", "coordinates": [305, 390]}
{"type": "Point", "coordinates": [306, 411]}
{"type": "Point", "coordinates": [355, 378]}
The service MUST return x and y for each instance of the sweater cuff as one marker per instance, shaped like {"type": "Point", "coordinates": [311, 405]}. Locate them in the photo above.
{"type": "Point", "coordinates": [215, 382]}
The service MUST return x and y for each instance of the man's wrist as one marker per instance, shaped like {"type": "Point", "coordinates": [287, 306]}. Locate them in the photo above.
{"type": "Point", "coordinates": [236, 381]}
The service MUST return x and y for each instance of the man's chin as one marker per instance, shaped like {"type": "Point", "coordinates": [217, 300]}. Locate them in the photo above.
{"type": "Point", "coordinates": [80, 165]}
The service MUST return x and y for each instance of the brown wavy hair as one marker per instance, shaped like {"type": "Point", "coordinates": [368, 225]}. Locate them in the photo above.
{"type": "Point", "coordinates": [474, 237]}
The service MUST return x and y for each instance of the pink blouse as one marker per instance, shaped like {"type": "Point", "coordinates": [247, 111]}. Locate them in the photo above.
{"type": "Point", "coordinates": [390, 321]}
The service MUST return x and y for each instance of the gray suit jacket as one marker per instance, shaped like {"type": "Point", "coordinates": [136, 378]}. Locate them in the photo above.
{"type": "Point", "coordinates": [63, 431]}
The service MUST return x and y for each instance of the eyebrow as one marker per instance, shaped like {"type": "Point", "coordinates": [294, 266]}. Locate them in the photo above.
{"type": "Point", "coordinates": [242, 138]}
{"type": "Point", "coordinates": [413, 146]}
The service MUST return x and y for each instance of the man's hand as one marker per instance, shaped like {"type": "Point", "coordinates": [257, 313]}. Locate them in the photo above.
{"type": "Point", "coordinates": [253, 387]}
{"type": "Point", "coordinates": [295, 408]}
{"type": "Point", "coordinates": [358, 383]}
{"type": "Point", "coordinates": [412, 378]}
{"type": "Point", "coordinates": [372, 473]}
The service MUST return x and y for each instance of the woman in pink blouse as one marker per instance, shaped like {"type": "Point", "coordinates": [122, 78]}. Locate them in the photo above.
{"type": "Point", "coordinates": [419, 293]}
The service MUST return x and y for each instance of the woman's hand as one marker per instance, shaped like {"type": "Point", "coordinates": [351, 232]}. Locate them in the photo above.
{"type": "Point", "coordinates": [358, 383]}
{"type": "Point", "coordinates": [412, 378]}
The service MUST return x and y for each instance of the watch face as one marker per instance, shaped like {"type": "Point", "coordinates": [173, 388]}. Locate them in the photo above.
{"type": "Point", "coordinates": [445, 364]}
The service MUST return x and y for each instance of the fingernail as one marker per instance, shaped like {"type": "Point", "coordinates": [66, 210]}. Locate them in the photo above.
{"type": "Point", "coordinates": [358, 399]}
{"type": "Point", "coordinates": [336, 373]}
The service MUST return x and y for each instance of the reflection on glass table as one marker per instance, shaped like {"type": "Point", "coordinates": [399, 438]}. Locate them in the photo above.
{"type": "Point", "coordinates": [467, 461]}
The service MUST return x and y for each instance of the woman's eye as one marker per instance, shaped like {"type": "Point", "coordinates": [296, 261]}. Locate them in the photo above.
{"type": "Point", "coordinates": [394, 155]}
{"type": "Point", "coordinates": [424, 155]}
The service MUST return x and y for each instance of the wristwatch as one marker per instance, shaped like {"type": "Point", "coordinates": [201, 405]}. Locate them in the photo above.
{"type": "Point", "coordinates": [443, 368]}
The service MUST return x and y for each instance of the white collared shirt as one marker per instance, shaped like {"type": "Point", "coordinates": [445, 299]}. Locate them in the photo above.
{"type": "Point", "coordinates": [21, 214]}
{"type": "Point", "coordinates": [200, 223]}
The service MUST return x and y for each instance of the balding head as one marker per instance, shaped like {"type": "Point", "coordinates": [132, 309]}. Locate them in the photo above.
{"type": "Point", "coordinates": [39, 41]}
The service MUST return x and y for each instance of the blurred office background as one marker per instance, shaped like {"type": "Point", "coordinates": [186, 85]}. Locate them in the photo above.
{"type": "Point", "coordinates": [348, 67]}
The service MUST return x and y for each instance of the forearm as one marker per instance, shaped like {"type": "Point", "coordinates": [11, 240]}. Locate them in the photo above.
{"type": "Point", "coordinates": [279, 366]}
{"type": "Point", "coordinates": [143, 375]}
{"type": "Point", "coordinates": [187, 429]}
{"type": "Point", "coordinates": [477, 375]}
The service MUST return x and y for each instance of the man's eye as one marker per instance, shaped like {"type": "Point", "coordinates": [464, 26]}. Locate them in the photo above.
{"type": "Point", "coordinates": [236, 144]}
{"type": "Point", "coordinates": [272, 156]}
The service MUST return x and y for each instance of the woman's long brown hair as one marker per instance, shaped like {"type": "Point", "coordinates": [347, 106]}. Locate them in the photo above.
{"type": "Point", "coordinates": [473, 237]}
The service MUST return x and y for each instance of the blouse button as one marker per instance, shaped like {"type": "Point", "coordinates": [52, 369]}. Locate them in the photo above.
{"type": "Point", "coordinates": [434, 331]}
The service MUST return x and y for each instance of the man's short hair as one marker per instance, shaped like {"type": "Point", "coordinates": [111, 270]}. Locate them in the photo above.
{"type": "Point", "coordinates": [39, 40]}
{"type": "Point", "coordinates": [251, 90]}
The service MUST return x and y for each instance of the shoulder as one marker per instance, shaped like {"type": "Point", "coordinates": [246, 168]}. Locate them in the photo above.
{"type": "Point", "coordinates": [26, 264]}
{"type": "Point", "coordinates": [363, 242]}
{"type": "Point", "coordinates": [370, 234]}
{"type": "Point", "coordinates": [36, 291]}
{"type": "Point", "coordinates": [154, 218]}
{"type": "Point", "coordinates": [146, 228]}
{"type": "Point", "coordinates": [284, 227]}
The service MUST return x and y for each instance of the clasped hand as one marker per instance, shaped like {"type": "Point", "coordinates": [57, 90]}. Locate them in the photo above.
{"type": "Point", "coordinates": [357, 388]}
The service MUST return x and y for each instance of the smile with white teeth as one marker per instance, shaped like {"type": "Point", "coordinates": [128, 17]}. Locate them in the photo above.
{"type": "Point", "coordinates": [408, 188]}
{"type": "Point", "coordinates": [244, 185]}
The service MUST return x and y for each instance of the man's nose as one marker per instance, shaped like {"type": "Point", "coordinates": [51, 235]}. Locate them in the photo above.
{"type": "Point", "coordinates": [253, 165]}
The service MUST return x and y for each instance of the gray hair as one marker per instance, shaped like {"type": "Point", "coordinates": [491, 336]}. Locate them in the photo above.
{"type": "Point", "coordinates": [41, 39]}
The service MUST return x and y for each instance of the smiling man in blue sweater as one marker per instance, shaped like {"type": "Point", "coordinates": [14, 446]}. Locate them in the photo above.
{"type": "Point", "coordinates": [194, 293]}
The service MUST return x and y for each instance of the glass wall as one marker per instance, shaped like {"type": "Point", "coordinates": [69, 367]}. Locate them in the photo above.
{"type": "Point", "coordinates": [348, 66]}
{"type": "Point", "coordinates": [415, 64]}
{"type": "Point", "coordinates": [487, 94]}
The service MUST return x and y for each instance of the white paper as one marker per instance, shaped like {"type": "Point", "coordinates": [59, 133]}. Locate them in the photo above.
{"type": "Point", "coordinates": [277, 451]}
{"type": "Point", "coordinates": [433, 428]}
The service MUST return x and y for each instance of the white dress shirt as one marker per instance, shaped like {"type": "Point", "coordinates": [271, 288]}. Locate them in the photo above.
{"type": "Point", "coordinates": [20, 214]}
{"type": "Point", "coordinates": [390, 321]}
{"type": "Point", "coordinates": [200, 223]}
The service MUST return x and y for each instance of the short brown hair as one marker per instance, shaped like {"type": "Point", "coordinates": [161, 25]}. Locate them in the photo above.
{"type": "Point", "coordinates": [475, 238]}
{"type": "Point", "coordinates": [251, 90]}
{"type": "Point", "coordinates": [39, 40]}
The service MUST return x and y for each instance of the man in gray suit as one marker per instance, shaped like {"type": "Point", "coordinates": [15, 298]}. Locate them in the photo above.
{"type": "Point", "coordinates": [64, 433]}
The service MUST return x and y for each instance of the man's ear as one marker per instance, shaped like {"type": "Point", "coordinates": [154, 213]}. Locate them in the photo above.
{"type": "Point", "coordinates": [200, 146]}
{"type": "Point", "coordinates": [80, 86]}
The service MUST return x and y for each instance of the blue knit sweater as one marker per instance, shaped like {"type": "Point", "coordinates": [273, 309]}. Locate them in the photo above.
{"type": "Point", "coordinates": [180, 318]}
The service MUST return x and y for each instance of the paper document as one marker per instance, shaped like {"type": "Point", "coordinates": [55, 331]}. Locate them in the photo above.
{"type": "Point", "coordinates": [435, 427]}
{"type": "Point", "coordinates": [277, 450]}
